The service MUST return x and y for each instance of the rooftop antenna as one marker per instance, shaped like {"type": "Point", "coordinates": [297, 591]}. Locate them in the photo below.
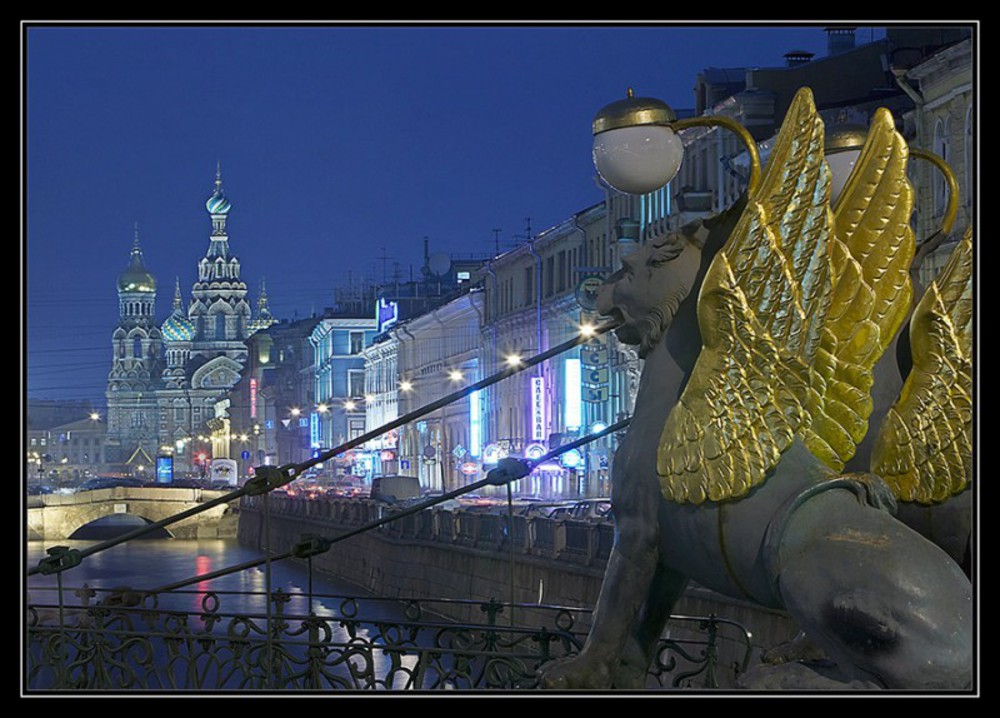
{"type": "Point", "coordinates": [496, 242]}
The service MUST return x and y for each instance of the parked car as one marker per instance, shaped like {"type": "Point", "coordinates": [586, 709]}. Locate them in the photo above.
{"type": "Point", "coordinates": [107, 482]}
{"type": "Point", "coordinates": [592, 510]}
{"type": "Point", "coordinates": [395, 488]}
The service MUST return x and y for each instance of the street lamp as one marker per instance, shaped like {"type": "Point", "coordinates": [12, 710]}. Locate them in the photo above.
{"type": "Point", "coordinates": [637, 149]}
{"type": "Point", "coordinates": [842, 146]}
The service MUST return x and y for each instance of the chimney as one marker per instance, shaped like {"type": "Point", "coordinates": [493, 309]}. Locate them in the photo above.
{"type": "Point", "coordinates": [839, 40]}
{"type": "Point", "coordinates": [797, 57]}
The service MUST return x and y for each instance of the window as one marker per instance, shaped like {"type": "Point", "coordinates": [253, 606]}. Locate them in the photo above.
{"type": "Point", "coordinates": [940, 185]}
{"type": "Point", "coordinates": [137, 348]}
{"type": "Point", "coordinates": [550, 268]}
{"type": "Point", "coordinates": [529, 280]}
{"type": "Point", "coordinates": [355, 383]}
{"type": "Point", "coordinates": [220, 326]}
{"type": "Point", "coordinates": [562, 271]}
{"type": "Point", "coordinates": [357, 342]}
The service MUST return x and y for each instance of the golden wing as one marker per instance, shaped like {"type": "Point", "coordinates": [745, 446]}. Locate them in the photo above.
{"type": "Point", "coordinates": [924, 447]}
{"type": "Point", "coordinates": [872, 248]}
{"type": "Point", "coordinates": [760, 311]}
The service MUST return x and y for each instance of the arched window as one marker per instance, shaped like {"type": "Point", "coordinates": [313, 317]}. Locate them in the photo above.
{"type": "Point", "coordinates": [137, 348]}
{"type": "Point", "coordinates": [939, 185]}
{"type": "Point", "coordinates": [220, 326]}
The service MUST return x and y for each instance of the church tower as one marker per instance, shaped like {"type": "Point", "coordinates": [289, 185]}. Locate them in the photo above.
{"type": "Point", "coordinates": [263, 318]}
{"type": "Point", "coordinates": [136, 367]}
{"type": "Point", "coordinates": [219, 310]}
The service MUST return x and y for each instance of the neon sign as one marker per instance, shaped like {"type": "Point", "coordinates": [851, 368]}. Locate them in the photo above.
{"type": "Point", "coordinates": [253, 398]}
{"type": "Point", "coordinates": [537, 408]}
{"type": "Point", "coordinates": [573, 404]}
{"type": "Point", "coordinates": [475, 425]}
{"type": "Point", "coordinates": [386, 314]}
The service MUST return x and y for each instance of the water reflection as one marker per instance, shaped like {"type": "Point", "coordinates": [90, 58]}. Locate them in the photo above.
{"type": "Point", "coordinates": [146, 565]}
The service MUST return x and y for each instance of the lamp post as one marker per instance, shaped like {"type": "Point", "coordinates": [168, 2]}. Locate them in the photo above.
{"type": "Point", "coordinates": [842, 146]}
{"type": "Point", "coordinates": [637, 148]}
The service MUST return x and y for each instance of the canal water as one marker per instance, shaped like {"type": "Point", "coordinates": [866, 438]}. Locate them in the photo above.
{"type": "Point", "coordinates": [150, 564]}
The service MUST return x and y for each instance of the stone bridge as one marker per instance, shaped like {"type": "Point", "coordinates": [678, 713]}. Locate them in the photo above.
{"type": "Point", "coordinates": [58, 516]}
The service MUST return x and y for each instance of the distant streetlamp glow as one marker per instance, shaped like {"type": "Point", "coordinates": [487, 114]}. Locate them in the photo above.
{"type": "Point", "coordinates": [94, 416]}
{"type": "Point", "coordinates": [322, 408]}
{"type": "Point", "coordinates": [405, 385]}
{"type": "Point", "coordinates": [369, 398]}
{"type": "Point", "coordinates": [349, 405]}
{"type": "Point", "coordinates": [588, 330]}
{"type": "Point", "coordinates": [295, 411]}
{"type": "Point", "coordinates": [455, 375]}
{"type": "Point", "coordinates": [513, 360]}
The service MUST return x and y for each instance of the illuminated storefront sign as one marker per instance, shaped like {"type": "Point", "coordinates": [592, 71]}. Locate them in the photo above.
{"type": "Point", "coordinates": [314, 429]}
{"type": "Point", "coordinates": [534, 451]}
{"type": "Point", "coordinates": [253, 398]}
{"type": "Point", "coordinates": [493, 453]}
{"type": "Point", "coordinates": [475, 425]}
{"type": "Point", "coordinates": [572, 404]}
{"type": "Point", "coordinates": [164, 469]}
{"type": "Point", "coordinates": [571, 459]}
{"type": "Point", "coordinates": [537, 408]}
{"type": "Point", "coordinates": [386, 314]}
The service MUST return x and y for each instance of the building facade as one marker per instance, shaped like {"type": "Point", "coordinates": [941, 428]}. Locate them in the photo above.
{"type": "Point", "coordinates": [943, 122]}
{"type": "Point", "coordinates": [166, 380]}
{"type": "Point", "coordinates": [339, 376]}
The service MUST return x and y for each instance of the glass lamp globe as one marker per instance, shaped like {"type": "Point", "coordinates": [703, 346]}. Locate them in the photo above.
{"type": "Point", "coordinates": [842, 145]}
{"type": "Point", "coordinates": [635, 149]}
{"type": "Point", "coordinates": [638, 159]}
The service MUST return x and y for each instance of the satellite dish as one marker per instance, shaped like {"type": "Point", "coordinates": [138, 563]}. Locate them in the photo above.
{"type": "Point", "coordinates": [439, 263]}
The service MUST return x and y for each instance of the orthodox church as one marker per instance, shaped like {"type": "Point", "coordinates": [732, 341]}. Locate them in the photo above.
{"type": "Point", "coordinates": [166, 380]}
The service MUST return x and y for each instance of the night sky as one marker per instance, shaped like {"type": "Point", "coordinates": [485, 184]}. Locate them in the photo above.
{"type": "Point", "coordinates": [341, 148]}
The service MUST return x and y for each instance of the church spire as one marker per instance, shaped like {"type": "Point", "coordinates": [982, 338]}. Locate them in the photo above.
{"type": "Point", "coordinates": [177, 295]}
{"type": "Point", "coordinates": [218, 206]}
{"type": "Point", "coordinates": [264, 319]}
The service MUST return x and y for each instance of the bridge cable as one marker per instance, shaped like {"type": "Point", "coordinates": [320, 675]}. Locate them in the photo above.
{"type": "Point", "coordinates": [314, 545]}
{"type": "Point", "coordinates": [268, 478]}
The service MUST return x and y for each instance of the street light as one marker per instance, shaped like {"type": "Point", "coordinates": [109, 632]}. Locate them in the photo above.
{"type": "Point", "coordinates": [455, 375]}
{"type": "Point", "coordinates": [637, 149]}
{"type": "Point", "coordinates": [842, 146]}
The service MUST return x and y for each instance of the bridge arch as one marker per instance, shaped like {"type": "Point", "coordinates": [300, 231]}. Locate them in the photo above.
{"type": "Point", "coordinates": [116, 524]}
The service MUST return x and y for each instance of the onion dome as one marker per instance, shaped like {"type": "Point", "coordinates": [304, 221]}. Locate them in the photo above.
{"type": "Point", "coordinates": [177, 327]}
{"type": "Point", "coordinates": [136, 278]}
{"type": "Point", "coordinates": [217, 203]}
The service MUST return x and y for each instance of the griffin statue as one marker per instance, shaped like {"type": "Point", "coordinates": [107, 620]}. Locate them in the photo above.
{"type": "Point", "coordinates": [761, 329]}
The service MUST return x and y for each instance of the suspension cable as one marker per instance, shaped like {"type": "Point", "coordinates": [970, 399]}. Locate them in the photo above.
{"type": "Point", "coordinates": [267, 478]}
{"type": "Point", "coordinates": [320, 544]}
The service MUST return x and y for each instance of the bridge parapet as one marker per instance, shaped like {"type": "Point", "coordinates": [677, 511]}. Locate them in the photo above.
{"type": "Point", "coordinates": [59, 516]}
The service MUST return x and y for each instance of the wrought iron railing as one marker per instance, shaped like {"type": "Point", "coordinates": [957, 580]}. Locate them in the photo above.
{"type": "Point", "coordinates": [128, 641]}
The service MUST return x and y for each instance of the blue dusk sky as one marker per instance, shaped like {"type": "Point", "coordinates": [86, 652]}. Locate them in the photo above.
{"type": "Point", "coordinates": [341, 148]}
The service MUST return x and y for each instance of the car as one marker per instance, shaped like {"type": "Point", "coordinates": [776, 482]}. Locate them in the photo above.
{"type": "Point", "coordinates": [107, 482]}
{"type": "Point", "coordinates": [592, 510]}
{"type": "Point", "coordinates": [395, 488]}
{"type": "Point", "coordinates": [39, 489]}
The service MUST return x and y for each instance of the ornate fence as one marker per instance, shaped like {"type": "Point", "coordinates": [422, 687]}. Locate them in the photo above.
{"type": "Point", "coordinates": [110, 640]}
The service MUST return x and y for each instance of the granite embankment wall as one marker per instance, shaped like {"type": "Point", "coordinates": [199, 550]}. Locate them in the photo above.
{"type": "Point", "coordinates": [466, 555]}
